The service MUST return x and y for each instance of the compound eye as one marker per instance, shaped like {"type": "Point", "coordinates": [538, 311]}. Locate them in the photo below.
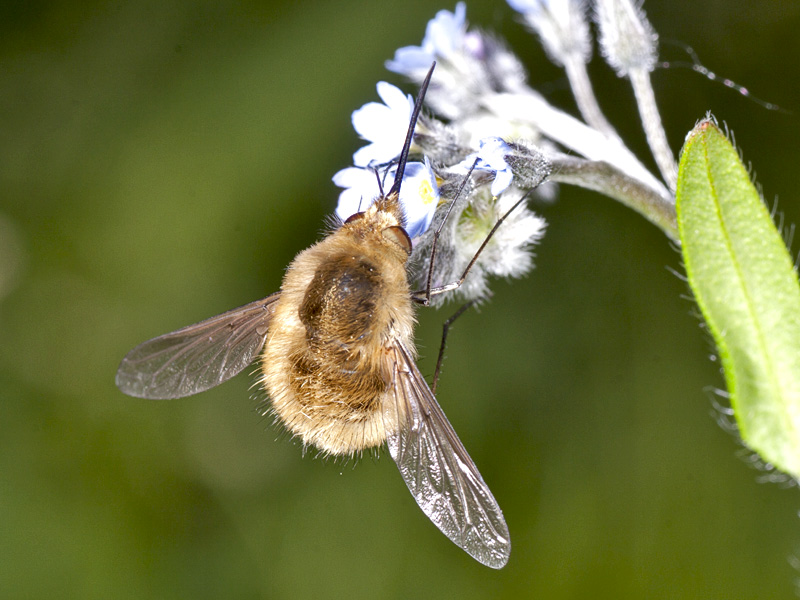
{"type": "Point", "coordinates": [398, 235]}
{"type": "Point", "coordinates": [354, 217]}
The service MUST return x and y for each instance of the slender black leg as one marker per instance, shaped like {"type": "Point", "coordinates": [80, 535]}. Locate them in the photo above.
{"type": "Point", "coordinates": [423, 297]}
{"type": "Point", "coordinates": [445, 330]}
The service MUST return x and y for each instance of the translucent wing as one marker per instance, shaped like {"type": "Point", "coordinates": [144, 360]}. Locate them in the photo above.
{"type": "Point", "coordinates": [437, 469]}
{"type": "Point", "coordinates": [197, 357]}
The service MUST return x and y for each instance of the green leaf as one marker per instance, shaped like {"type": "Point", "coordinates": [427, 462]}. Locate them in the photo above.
{"type": "Point", "coordinates": [744, 281]}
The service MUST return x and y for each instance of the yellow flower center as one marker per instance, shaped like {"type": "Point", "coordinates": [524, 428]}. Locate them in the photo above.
{"type": "Point", "coordinates": [426, 192]}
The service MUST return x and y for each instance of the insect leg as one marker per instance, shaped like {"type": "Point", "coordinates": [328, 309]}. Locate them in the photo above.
{"type": "Point", "coordinates": [423, 297]}
{"type": "Point", "coordinates": [445, 329]}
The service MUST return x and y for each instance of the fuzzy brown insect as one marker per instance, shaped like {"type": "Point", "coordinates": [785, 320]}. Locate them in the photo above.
{"type": "Point", "coordinates": [337, 361]}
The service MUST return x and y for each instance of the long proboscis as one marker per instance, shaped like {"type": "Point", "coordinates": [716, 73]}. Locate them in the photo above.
{"type": "Point", "coordinates": [401, 165]}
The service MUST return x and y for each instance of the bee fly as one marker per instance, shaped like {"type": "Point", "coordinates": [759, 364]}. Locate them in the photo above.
{"type": "Point", "coordinates": [337, 361]}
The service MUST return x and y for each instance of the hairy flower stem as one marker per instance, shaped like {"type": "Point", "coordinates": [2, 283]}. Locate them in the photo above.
{"type": "Point", "coordinates": [585, 98]}
{"type": "Point", "coordinates": [651, 121]}
{"type": "Point", "coordinates": [604, 178]}
{"type": "Point", "coordinates": [565, 129]}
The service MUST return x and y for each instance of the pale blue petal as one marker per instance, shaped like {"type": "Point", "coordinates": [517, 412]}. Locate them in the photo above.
{"type": "Point", "coordinates": [502, 180]}
{"type": "Point", "coordinates": [491, 158]}
{"type": "Point", "coordinates": [444, 36]}
{"type": "Point", "coordinates": [419, 194]}
{"type": "Point", "coordinates": [493, 153]}
{"type": "Point", "coordinates": [409, 60]}
{"type": "Point", "coordinates": [527, 6]}
{"type": "Point", "coordinates": [445, 32]}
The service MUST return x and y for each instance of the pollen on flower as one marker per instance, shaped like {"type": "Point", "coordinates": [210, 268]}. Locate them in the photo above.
{"type": "Point", "coordinates": [426, 193]}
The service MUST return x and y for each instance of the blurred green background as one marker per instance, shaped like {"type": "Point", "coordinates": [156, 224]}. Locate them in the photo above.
{"type": "Point", "coordinates": [161, 162]}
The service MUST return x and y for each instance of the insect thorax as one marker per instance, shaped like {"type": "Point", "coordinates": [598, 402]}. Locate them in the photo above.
{"type": "Point", "coordinates": [339, 307]}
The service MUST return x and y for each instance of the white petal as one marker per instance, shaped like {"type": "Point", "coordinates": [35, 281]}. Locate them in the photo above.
{"type": "Point", "coordinates": [361, 188]}
{"type": "Point", "coordinates": [368, 120]}
{"type": "Point", "coordinates": [395, 99]}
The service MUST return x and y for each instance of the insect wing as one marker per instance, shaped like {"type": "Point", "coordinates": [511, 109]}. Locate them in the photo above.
{"type": "Point", "coordinates": [197, 357]}
{"type": "Point", "coordinates": [437, 469]}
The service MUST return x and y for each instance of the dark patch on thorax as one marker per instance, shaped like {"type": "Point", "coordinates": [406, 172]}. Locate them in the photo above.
{"type": "Point", "coordinates": [339, 305]}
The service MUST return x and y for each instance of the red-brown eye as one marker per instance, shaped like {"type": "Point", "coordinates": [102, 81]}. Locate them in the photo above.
{"type": "Point", "coordinates": [398, 235]}
{"type": "Point", "coordinates": [354, 217]}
